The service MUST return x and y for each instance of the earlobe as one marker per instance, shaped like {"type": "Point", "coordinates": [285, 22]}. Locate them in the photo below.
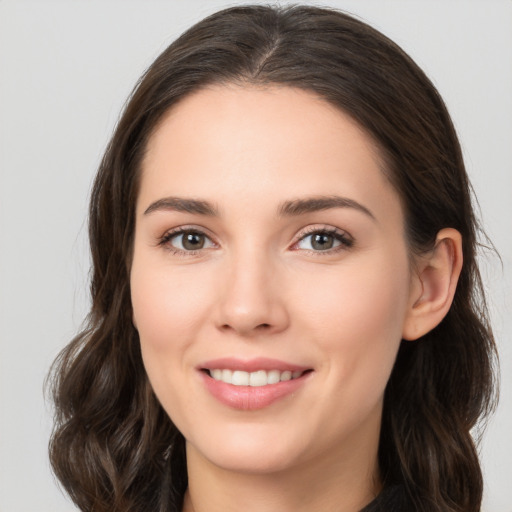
{"type": "Point", "coordinates": [434, 285]}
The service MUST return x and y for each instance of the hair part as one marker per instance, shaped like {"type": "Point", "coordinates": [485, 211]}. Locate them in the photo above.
{"type": "Point", "coordinates": [113, 447]}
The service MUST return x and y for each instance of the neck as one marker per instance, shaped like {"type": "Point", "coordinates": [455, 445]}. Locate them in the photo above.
{"type": "Point", "coordinates": [328, 484]}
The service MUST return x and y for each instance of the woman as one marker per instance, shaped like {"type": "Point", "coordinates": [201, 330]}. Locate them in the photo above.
{"type": "Point", "coordinates": [287, 311]}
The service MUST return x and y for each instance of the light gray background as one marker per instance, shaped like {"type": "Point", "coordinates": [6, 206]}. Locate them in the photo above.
{"type": "Point", "coordinates": [65, 70]}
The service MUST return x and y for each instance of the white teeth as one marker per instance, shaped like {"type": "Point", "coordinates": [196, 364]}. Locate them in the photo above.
{"type": "Point", "coordinates": [226, 376]}
{"type": "Point", "coordinates": [217, 374]}
{"type": "Point", "coordinates": [240, 378]}
{"type": "Point", "coordinates": [255, 379]}
{"type": "Point", "coordinates": [287, 375]}
{"type": "Point", "coordinates": [258, 378]}
{"type": "Point", "coordinates": [273, 376]}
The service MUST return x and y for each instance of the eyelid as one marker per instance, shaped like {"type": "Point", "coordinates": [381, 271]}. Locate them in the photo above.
{"type": "Point", "coordinates": [166, 238]}
{"type": "Point", "coordinates": [346, 239]}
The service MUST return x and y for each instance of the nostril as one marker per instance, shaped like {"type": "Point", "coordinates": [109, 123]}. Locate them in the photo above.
{"type": "Point", "coordinates": [245, 327]}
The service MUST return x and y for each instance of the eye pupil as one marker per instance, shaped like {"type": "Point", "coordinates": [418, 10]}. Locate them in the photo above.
{"type": "Point", "coordinates": [322, 241]}
{"type": "Point", "coordinates": [193, 241]}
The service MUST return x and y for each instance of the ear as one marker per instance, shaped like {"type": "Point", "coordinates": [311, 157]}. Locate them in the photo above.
{"type": "Point", "coordinates": [433, 284]}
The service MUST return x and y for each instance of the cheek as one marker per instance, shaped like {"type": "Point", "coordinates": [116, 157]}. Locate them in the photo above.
{"type": "Point", "coordinates": [356, 317]}
{"type": "Point", "coordinates": [169, 312]}
{"type": "Point", "coordinates": [357, 314]}
{"type": "Point", "coordinates": [168, 305]}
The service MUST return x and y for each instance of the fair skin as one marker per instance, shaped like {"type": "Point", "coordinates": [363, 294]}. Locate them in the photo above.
{"type": "Point", "coordinates": [291, 255]}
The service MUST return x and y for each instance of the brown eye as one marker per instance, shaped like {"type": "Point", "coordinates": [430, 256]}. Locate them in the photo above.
{"type": "Point", "coordinates": [193, 241]}
{"type": "Point", "coordinates": [322, 241]}
{"type": "Point", "coordinates": [187, 241]}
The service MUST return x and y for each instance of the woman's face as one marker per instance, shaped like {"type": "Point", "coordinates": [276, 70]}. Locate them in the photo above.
{"type": "Point", "coordinates": [270, 279]}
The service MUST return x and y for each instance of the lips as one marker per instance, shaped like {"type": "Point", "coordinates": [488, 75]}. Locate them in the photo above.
{"type": "Point", "coordinates": [254, 384]}
{"type": "Point", "coordinates": [254, 379]}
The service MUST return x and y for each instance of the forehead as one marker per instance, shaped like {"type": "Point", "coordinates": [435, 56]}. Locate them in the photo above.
{"type": "Point", "coordinates": [250, 142]}
{"type": "Point", "coordinates": [223, 114]}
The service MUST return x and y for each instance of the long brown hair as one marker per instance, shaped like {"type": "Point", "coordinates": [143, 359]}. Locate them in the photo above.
{"type": "Point", "coordinates": [113, 447]}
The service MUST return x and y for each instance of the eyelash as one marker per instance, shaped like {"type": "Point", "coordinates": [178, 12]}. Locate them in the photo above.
{"type": "Point", "coordinates": [165, 241]}
{"type": "Point", "coordinates": [345, 240]}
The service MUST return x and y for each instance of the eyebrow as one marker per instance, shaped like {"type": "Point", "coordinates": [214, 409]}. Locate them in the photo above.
{"type": "Point", "coordinates": [319, 203]}
{"type": "Point", "coordinates": [291, 208]}
{"type": "Point", "coordinates": [181, 204]}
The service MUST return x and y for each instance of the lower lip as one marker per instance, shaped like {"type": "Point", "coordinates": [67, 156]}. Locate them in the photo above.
{"type": "Point", "coordinates": [249, 398]}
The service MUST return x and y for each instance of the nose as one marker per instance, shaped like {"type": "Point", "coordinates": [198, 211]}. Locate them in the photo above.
{"type": "Point", "coordinates": [251, 300]}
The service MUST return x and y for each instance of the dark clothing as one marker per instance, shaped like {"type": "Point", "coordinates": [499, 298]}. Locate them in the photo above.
{"type": "Point", "coordinates": [392, 499]}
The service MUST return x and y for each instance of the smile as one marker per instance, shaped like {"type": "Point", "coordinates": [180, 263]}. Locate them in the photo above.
{"type": "Point", "coordinates": [254, 379]}
{"type": "Point", "coordinates": [252, 385]}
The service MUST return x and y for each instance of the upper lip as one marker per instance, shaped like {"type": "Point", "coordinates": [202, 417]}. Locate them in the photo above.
{"type": "Point", "coordinates": [251, 365]}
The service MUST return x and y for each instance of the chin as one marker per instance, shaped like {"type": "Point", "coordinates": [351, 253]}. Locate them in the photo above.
{"type": "Point", "coordinates": [248, 453]}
